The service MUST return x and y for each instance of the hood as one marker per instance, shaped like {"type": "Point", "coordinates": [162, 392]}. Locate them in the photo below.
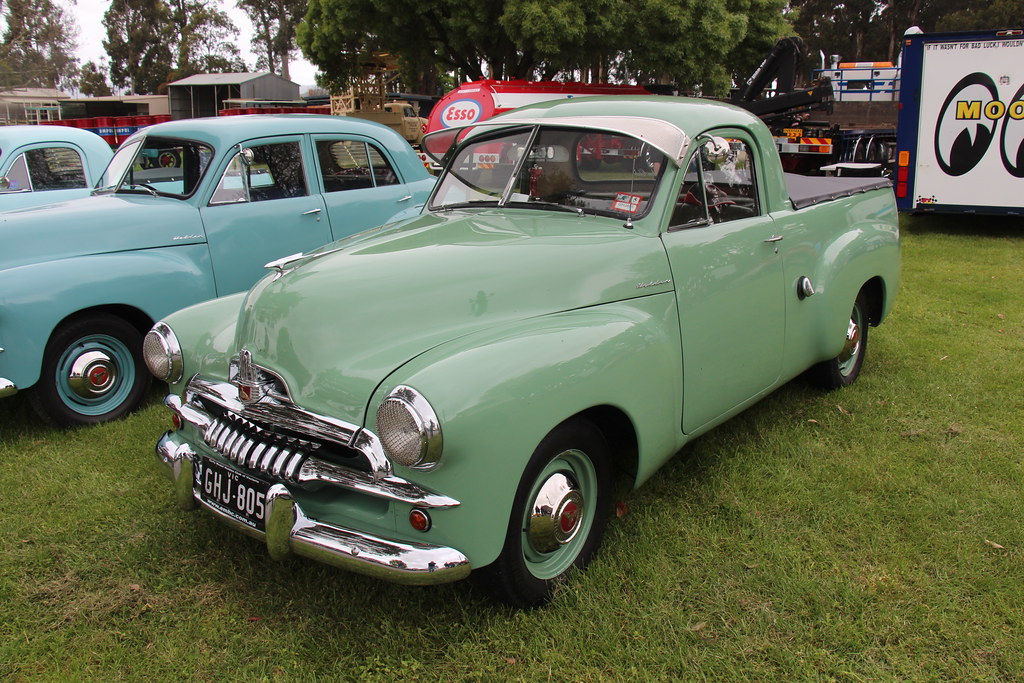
{"type": "Point", "coordinates": [95, 225]}
{"type": "Point", "coordinates": [338, 324]}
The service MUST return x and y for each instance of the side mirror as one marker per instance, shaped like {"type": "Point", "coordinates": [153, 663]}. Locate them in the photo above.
{"type": "Point", "coordinates": [5, 183]}
{"type": "Point", "coordinates": [247, 155]}
{"type": "Point", "coordinates": [716, 149]}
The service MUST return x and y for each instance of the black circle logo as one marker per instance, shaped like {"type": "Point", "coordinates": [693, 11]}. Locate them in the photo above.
{"type": "Point", "coordinates": [955, 150]}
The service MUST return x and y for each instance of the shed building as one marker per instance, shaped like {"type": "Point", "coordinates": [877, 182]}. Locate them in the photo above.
{"type": "Point", "coordinates": [204, 94]}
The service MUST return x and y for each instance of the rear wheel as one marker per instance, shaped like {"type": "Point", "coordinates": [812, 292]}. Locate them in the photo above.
{"type": "Point", "coordinates": [92, 372]}
{"type": "Point", "coordinates": [169, 159]}
{"type": "Point", "coordinates": [843, 370]}
{"type": "Point", "coordinates": [558, 517]}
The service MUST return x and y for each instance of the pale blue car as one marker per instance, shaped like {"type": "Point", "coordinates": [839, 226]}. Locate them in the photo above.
{"type": "Point", "coordinates": [185, 211]}
{"type": "Point", "coordinates": [46, 164]}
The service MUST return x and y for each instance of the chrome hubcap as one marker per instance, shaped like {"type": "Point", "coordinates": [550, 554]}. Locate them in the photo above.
{"type": "Point", "coordinates": [92, 374]}
{"type": "Point", "coordinates": [852, 339]}
{"type": "Point", "coordinates": [556, 514]}
{"type": "Point", "coordinates": [847, 358]}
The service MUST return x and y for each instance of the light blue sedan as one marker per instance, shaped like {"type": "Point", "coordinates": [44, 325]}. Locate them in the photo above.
{"type": "Point", "coordinates": [186, 211]}
{"type": "Point", "coordinates": [46, 164]}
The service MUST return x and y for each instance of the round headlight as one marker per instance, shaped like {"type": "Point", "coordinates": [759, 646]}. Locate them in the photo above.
{"type": "Point", "coordinates": [409, 429]}
{"type": "Point", "coordinates": [162, 353]}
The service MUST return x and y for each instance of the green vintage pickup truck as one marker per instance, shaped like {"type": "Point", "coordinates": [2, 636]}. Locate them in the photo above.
{"type": "Point", "coordinates": [592, 284]}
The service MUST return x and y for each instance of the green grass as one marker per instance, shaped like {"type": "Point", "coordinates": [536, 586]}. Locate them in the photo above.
{"type": "Point", "coordinates": [872, 534]}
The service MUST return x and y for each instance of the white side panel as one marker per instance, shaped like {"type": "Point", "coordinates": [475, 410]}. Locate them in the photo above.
{"type": "Point", "coordinates": [971, 124]}
{"type": "Point", "coordinates": [513, 100]}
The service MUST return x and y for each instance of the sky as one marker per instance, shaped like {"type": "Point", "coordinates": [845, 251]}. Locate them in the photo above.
{"type": "Point", "coordinates": [89, 17]}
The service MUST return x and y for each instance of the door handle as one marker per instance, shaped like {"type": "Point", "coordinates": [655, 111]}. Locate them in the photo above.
{"type": "Point", "coordinates": [774, 238]}
{"type": "Point", "coordinates": [404, 199]}
{"type": "Point", "coordinates": [310, 212]}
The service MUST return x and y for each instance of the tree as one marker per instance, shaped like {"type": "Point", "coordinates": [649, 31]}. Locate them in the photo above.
{"type": "Point", "coordinates": [38, 45]}
{"type": "Point", "coordinates": [275, 23]}
{"type": "Point", "coordinates": [203, 37]}
{"type": "Point", "coordinates": [139, 41]}
{"type": "Point", "coordinates": [153, 41]}
{"type": "Point", "coordinates": [986, 15]}
{"type": "Point", "coordinates": [697, 44]}
{"type": "Point", "coordinates": [871, 30]}
{"type": "Point", "coordinates": [456, 36]}
{"type": "Point", "coordinates": [92, 81]}
{"type": "Point", "coordinates": [843, 29]}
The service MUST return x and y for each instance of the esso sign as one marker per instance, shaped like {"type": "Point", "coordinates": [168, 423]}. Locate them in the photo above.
{"type": "Point", "coordinates": [460, 112]}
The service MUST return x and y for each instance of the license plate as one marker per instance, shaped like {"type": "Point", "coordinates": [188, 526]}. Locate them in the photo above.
{"type": "Point", "coordinates": [233, 494]}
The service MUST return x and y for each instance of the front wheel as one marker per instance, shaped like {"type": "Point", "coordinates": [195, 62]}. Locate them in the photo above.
{"type": "Point", "coordinates": [558, 517]}
{"type": "Point", "coordinates": [92, 372]}
{"type": "Point", "coordinates": [843, 370]}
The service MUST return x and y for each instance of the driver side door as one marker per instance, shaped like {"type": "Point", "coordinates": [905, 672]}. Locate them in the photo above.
{"type": "Point", "coordinates": [262, 209]}
{"type": "Point", "coordinates": [728, 278]}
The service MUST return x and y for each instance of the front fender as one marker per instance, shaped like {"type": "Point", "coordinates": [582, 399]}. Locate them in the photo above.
{"type": "Point", "coordinates": [206, 334]}
{"type": "Point", "coordinates": [497, 394]}
{"type": "Point", "coordinates": [35, 298]}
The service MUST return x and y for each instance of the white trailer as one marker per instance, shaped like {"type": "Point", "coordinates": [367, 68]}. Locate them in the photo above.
{"type": "Point", "coordinates": [960, 133]}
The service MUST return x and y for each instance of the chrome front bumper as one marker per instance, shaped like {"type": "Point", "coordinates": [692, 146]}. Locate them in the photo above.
{"type": "Point", "coordinates": [7, 388]}
{"type": "Point", "coordinates": [289, 531]}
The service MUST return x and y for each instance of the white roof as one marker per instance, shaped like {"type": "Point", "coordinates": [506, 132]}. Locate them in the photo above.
{"type": "Point", "coordinates": [662, 135]}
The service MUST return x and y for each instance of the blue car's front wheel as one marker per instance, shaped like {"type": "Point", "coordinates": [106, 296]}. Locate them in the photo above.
{"type": "Point", "coordinates": [92, 371]}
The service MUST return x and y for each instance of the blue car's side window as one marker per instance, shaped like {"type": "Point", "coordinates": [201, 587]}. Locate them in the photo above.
{"type": "Point", "coordinates": [231, 189]}
{"type": "Point", "coordinates": [273, 171]}
{"type": "Point", "coordinates": [276, 172]}
{"type": "Point", "coordinates": [17, 177]}
{"type": "Point", "coordinates": [383, 173]}
{"type": "Point", "coordinates": [353, 165]}
{"type": "Point", "coordinates": [47, 168]}
{"type": "Point", "coordinates": [55, 168]}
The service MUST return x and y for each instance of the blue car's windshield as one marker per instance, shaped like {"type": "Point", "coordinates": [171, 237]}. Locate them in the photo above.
{"type": "Point", "coordinates": [153, 165]}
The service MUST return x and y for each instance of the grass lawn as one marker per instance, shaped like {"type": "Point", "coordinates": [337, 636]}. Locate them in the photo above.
{"type": "Point", "coordinates": [870, 534]}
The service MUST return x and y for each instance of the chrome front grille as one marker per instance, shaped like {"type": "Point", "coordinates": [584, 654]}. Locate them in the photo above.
{"type": "Point", "coordinates": [285, 442]}
{"type": "Point", "coordinates": [249, 445]}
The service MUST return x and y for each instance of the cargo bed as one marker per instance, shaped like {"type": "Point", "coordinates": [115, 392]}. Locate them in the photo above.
{"type": "Point", "coordinates": [809, 190]}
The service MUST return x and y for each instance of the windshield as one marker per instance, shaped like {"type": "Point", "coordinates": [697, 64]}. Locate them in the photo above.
{"type": "Point", "coordinates": [582, 171]}
{"type": "Point", "coordinates": [158, 166]}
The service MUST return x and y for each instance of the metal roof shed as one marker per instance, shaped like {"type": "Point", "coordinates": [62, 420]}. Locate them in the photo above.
{"type": "Point", "coordinates": [204, 94]}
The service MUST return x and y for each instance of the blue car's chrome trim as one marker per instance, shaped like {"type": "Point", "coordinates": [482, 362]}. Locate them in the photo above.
{"type": "Point", "coordinates": [7, 388]}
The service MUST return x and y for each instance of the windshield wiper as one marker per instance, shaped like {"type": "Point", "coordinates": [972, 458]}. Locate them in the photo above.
{"type": "Point", "coordinates": [131, 187]}
{"type": "Point", "coordinates": [463, 205]}
{"type": "Point", "coordinates": [578, 210]}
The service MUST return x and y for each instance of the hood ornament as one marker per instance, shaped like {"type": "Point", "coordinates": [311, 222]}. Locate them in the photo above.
{"type": "Point", "coordinates": [285, 264]}
{"type": "Point", "coordinates": [247, 378]}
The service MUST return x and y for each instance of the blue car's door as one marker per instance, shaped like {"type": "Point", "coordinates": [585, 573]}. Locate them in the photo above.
{"type": "Point", "coordinates": [264, 206]}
